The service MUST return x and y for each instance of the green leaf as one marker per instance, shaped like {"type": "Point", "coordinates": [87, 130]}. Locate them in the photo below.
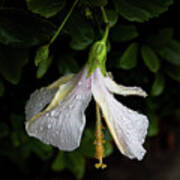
{"type": "Point", "coordinates": [4, 129]}
{"type": "Point", "coordinates": [129, 58]}
{"type": "Point", "coordinates": [19, 28]}
{"type": "Point", "coordinates": [87, 147]}
{"type": "Point", "coordinates": [170, 52]}
{"type": "Point", "coordinates": [107, 135]}
{"type": "Point", "coordinates": [153, 125]}
{"type": "Point", "coordinates": [112, 17]}
{"type": "Point", "coordinates": [18, 135]}
{"type": "Point", "coordinates": [15, 139]}
{"type": "Point", "coordinates": [43, 67]}
{"type": "Point", "coordinates": [123, 33]}
{"type": "Point", "coordinates": [94, 2]}
{"type": "Point", "coordinates": [46, 8]}
{"type": "Point", "coordinates": [81, 32]}
{"type": "Point", "coordinates": [141, 10]}
{"type": "Point", "coordinates": [59, 163]}
{"type": "Point", "coordinates": [67, 64]}
{"type": "Point", "coordinates": [173, 72]}
{"type": "Point", "coordinates": [108, 149]}
{"type": "Point", "coordinates": [75, 162]}
{"type": "Point", "coordinates": [41, 54]}
{"type": "Point", "coordinates": [150, 58]}
{"type": "Point", "coordinates": [1, 2]}
{"type": "Point", "coordinates": [2, 88]}
{"type": "Point", "coordinates": [162, 38]}
{"type": "Point", "coordinates": [158, 85]}
{"type": "Point", "coordinates": [12, 60]}
{"type": "Point", "coordinates": [43, 151]}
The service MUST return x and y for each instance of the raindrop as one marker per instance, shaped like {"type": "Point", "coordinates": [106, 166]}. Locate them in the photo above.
{"type": "Point", "coordinates": [70, 106]}
{"type": "Point", "coordinates": [49, 126]}
{"type": "Point", "coordinates": [53, 113]}
{"type": "Point", "coordinates": [79, 83]}
{"type": "Point", "coordinates": [78, 96]}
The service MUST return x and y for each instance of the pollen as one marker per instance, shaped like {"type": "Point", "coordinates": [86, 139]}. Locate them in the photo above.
{"type": "Point", "coordinates": [99, 142]}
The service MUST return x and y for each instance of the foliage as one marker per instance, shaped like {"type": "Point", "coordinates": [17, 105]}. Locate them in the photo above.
{"type": "Point", "coordinates": [138, 55]}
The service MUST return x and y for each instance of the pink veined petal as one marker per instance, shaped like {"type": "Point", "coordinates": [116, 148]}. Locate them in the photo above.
{"type": "Point", "coordinates": [127, 127]}
{"type": "Point", "coordinates": [63, 125]}
{"type": "Point", "coordinates": [123, 90]}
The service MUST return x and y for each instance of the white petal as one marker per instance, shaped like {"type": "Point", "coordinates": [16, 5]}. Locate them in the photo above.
{"type": "Point", "coordinates": [123, 90]}
{"type": "Point", "coordinates": [62, 125]}
{"type": "Point", "coordinates": [42, 97]}
{"type": "Point", "coordinates": [127, 127]}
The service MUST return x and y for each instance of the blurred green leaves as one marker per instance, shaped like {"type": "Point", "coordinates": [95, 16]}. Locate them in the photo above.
{"type": "Point", "coordinates": [4, 129]}
{"type": "Point", "coordinates": [67, 64]}
{"type": "Point", "coordinates": [19, 28]}
{"type": "Point", "coordinates": [12, 60]}
{"type": "Point", "coordinates": [141, 10]}
{"type": "Point", "coordinates": [151, 60]}
{"type": "Point", "coordinates": [81, 32]}
{"type": "Point", "coordinates": [170, 52]}
{"type": "Point", "coordinates": [2, 88]}
{"type": "Point", "coordinates": [73, 162]}
{"type": "Point", "coordinates": [94, 3]}
{"type": "Point", "coordinates": [173, 72]}
{"type": "Point", "coordinates": [124, 33]}
{"type": "Point", "coordinates": [129, 58]}
{"type": "Point", "coordinates": [153, 125]}
{"type": "Point", "coordinates": [18, 146]}
{"type": "Point", "coordinates": [158, 85]}
{"type": "Point", "coordinates": [46, 8]}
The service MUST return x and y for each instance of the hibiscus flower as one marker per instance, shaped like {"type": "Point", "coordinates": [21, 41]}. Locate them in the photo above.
{"type": "Point", "coordinates": [56, 114]}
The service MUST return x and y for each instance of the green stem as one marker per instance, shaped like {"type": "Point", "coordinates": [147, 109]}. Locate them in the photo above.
{"type": "Point", "coordinates": [105, 18]}
{"type": "Point", "coordinates": [106, 21]}
{"type": "Point", "coordinates": [63, 23]}
{"type": "Point", "coordinates": [106, 33]}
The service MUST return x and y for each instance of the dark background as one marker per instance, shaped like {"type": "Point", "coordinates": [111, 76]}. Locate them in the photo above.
{"type": "Point", "coordinates": [162, 160]}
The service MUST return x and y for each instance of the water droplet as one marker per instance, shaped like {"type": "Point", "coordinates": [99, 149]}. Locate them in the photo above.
{"type": "Point", "coordinates": [78, 96]}
{"type": "Point", "coordinates": [79, 83]}
{"type": "Point", "coordinates": [53, 113]}
{"type": "Point", "coordinates": [49, 126]}
{"type": "Point", "coordinates": [70, 106]}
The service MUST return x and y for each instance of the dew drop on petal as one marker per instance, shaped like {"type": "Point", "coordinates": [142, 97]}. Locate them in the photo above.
{"type": "Point", "coordinates": [70, 106]}
{"type": "Point", "coordinates": [78, 96]}
{"type": "Point", "coordinates": [79, 83]}
{"type": "Point", "coordinates": [52, 113]}
{"type": "Point", "coordinates": [49, 126]}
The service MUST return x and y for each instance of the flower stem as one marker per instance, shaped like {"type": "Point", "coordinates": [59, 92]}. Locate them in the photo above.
{"type": "Point", "coordinates": [105, 18]}
{"type": "Point", "coordinates": [106, 21]}
{"type": "Point", "coordinates": [63, 23]}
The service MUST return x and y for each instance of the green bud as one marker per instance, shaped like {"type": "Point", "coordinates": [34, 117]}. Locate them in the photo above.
{"type": "Point", "coordinates": [97, 57]}
{"type": "Point", "coordinates": [42, 54]}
